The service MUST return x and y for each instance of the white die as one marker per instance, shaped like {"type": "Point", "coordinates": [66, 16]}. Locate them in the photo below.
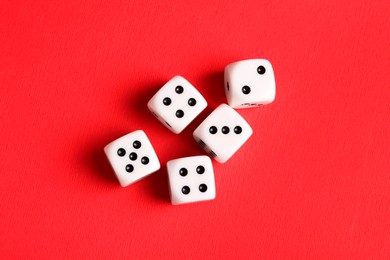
{"type": "Point", "coordinates": [222, 133]}
{"type": "Point", "coordinates": [249, 83]}
{"type": "Point", "coordinates": [191, 179]}
{"type": "Point", "coordinates": [132, 157]}
{"type": "Point", "coordinates": [176, 104]}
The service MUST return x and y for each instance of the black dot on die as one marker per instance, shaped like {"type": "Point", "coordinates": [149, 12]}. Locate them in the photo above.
{"type": "Point", "coordinates": [144, 160]}
{"type": "Point", "coordinates": [185, 190]}
{"type": "Point", "coordinates": [121, 152]}
{"type": "Point", "coordinates": [191, 102]}
{"type": "Point", "coordinates": [183, 172]}
{"type": "Point", "coordinates": [203, 187]}
{"type": "Point", "coordinates": [213, 130]}
{"type": "Point", "coordinates": [133, 156]}
{"type": "Point", "coordinates": [225, 130]}
{"type": "Point", "coordinates": [129, 168]}
{"type": "Point", "coordinates": [246, 90]}
{"type": "Point", "coordinates": [227, 86]}
{"type": "Point", "coordinates": [137, 144]}
{"type": "Point", "coordinates": [179, 113]}
{"type": "Point", "coordinates": [238, 129]}
{"type": "Point", "coordinates": [200, 169]}
{"type": "Point", "coordinates": [261, 70]}
{"type": "Point", "coordinates": [179, 89]}
{"type": "Point", "coordinates": [167, 101]}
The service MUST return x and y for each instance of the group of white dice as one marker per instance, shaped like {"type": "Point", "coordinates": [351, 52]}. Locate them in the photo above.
{"type": "Point", "coordinates": [248, 83]}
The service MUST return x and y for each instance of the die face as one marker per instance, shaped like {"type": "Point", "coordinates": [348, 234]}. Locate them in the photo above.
{"type": "Point", "coordinates": [132, 157]}
{"type": "Point", "coordinates": [191, 179]}
{"type": "Point", "coordinates": [249, 83]}
{"type": "Point", "coordinates": [222, 133]}
{"type": "Point", "coordinates": [177, 104]}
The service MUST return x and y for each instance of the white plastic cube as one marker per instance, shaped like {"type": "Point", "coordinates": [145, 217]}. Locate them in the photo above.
{"type": "Point", "coordinates": [191, 179]}
{"type": "Point", "coordinates": [222, 133]}
{"type": "Point", "coordinates": [132, 157]}
{"type": "Point", "coordinates": [249, 83]}
{"type": "Point", "coordinates": [176, 104]}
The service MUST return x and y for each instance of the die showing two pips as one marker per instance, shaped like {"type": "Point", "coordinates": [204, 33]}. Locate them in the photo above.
{"type": "Point", "coordinates": [247, 83]}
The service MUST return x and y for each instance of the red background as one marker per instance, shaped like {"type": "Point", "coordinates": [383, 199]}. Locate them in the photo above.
{"type": "Point", "coordinates": [312, 182]}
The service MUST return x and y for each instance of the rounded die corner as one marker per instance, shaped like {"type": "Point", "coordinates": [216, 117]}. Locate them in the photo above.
{"type": "Point", "coordinates": [203, 101]}
{"type": "Point", "coordinates": [139, 131]}
{"type": "Point", "coordinates": [231, 65]}
{"type": "Point", "coordinates": [153, 102]}
{"type": "Point", "coordinates": [205, 157]}
{"type": "Point", "coordinates": [221, 160]}
{"type": "Point", "coordinates": [157, 164]}
{"type": "Point", "coordinates": [197, 132]}
{"type": "Point", "coordinates": [177, 76]}
{"type": "Point", "coordinates": [177, 130]}
{"type": "Point", "coordinates": [170, 164]}
{"type": "Point", "coordinates": [124, 184]}
{"type": "Point", "coordinates": [175, 202]}
{"type": "Point", "coordinates": [150, 104]}
{"type": "Point", "coordinates": [107, 148]}
{"type": "Point", "coordinates": [231, 103]}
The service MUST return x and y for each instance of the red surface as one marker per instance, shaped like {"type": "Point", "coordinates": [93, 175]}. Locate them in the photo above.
{"type": "Point", "coordinates": [312, 182]}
